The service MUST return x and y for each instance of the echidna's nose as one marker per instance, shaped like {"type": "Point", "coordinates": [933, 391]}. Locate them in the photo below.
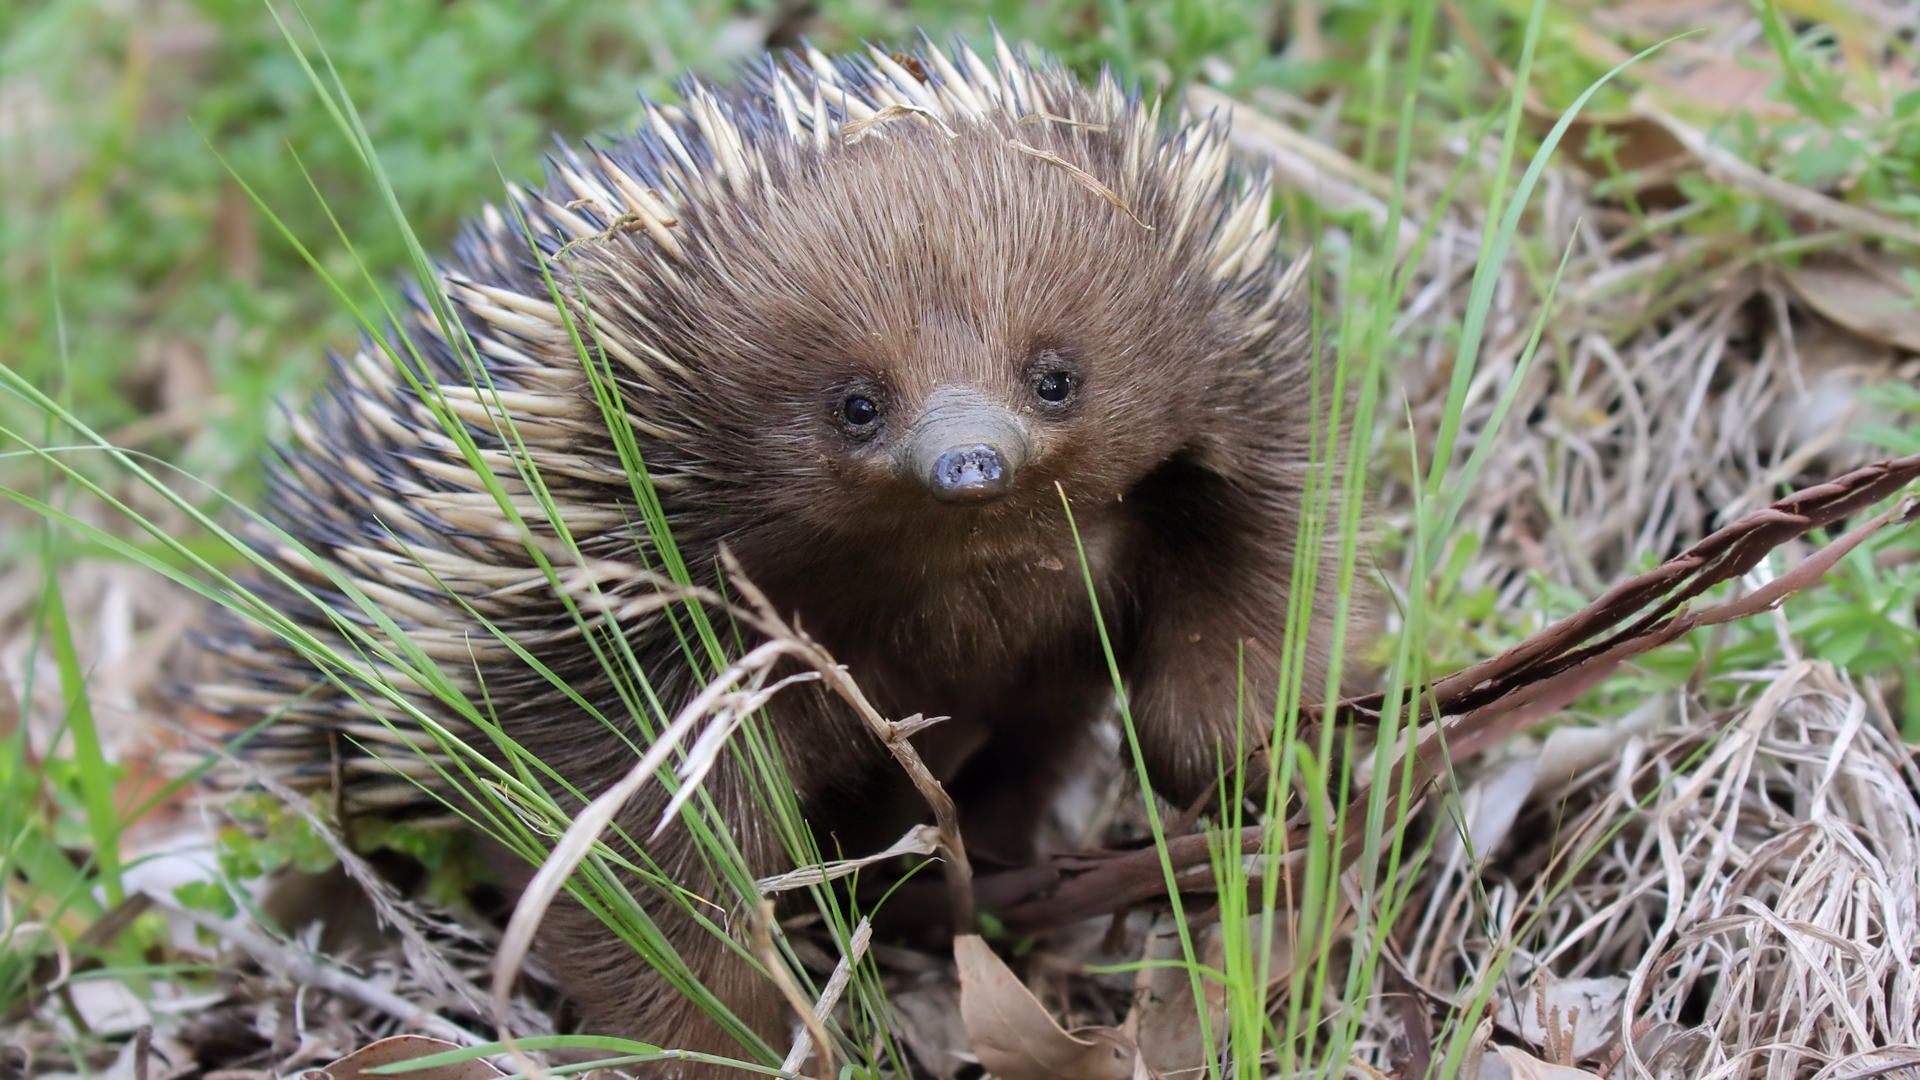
{"type": "Point", "coordinates": [964, 447]}
{"type": "Point", "coordinates": [970, 474]}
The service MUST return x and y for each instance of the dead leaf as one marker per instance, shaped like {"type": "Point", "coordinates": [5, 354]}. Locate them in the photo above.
{"type": "Point", "coordinates": [1488, 809]}
{"type": "Point", "coordinates": [1867, 298]}
{"type": "Point", "coordinates": [1585, 1009]}
{"type": "Point", "coordinates": [108, 1006]}
{"type": "Point", "coordinates": [1012, 1034]}
{"type": "Point", "coordinates": [1474, 1063]}
{"type": "Point", "coordinates": [1494, 801]}
{"type": "Point", "coordinates": [1639, 144]}
{"type": "Point", "coordinates": [1661, 18]}
{"type": "Point", "coordinates": [1695, 74]}
{"type": "Point", "coordinates": [1818, 416]}
{"type": "Point", "coordinates": [359, 1064]}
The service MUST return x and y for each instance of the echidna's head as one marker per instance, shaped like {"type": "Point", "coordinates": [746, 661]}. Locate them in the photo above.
{"type": "Point", "coordinates": [888, 303]}
{"type": "Point", "coordinates": [939, 327]}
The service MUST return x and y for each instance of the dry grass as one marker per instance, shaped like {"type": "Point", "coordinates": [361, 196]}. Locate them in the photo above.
{"type": "Point", "coordinates": [1718, 894]}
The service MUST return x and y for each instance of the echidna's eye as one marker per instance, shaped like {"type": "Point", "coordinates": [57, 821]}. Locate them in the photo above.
{"type": "Point", "coordinates": [859, 411]}
{"type": "Point", "coordinates": [1053, 387]}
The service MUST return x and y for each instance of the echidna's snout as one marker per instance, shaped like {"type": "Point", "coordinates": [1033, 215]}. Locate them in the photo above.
{"type": "Point", "coordinates": [965, 448]}
{"type": "Point", "coordinates": [969, 473]}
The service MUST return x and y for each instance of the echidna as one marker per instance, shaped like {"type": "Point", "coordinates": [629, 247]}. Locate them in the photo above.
{"type": "Point", "coordinates": [866, 320]}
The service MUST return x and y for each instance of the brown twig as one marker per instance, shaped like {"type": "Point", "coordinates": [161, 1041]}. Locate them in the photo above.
{"type": "Point", "coordinates": [1653, 598]}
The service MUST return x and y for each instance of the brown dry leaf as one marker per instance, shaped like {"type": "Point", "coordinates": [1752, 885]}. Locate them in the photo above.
{"type": "Point", "coordinates": [1012, 1034]}
{"type": "Point", "coordinates": [359, 1064]}
{"type": "Point", "coordinates": [1698, 74]}
{"type": "Point", "coordinates": [1867, 298]}
{"type": "Point", "coordinates": [1660, 18]}
{"type": "Point", "coordinates": [1699, 79]}
{"type": "Point", "coordinates": [1639, 144]}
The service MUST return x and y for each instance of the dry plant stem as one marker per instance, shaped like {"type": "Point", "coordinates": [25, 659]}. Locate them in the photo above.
{"type": "Point", "coordinates": [783, 642]}
{"type": "Point", "coordinates": [813, 1025]}
{"type": "Point", "coordinates": [830, 997]}
{"type": "Point", "coordinates": [426, 960]}
{"type": "Point", "coordinates": [1083, 178]}
{"type": "Point", "coordinates": [919, 840]}
{"type": "Point", "coordinates": [578, 840]}
{"type": "Point", "coordinates": [1771, 917]}
{"type": "Point", "coordinates": [297, 966]}
{"type": "Point", "coordinates": [143, 1052]}
{"type": "Point", "coordinates": [1738, 173]}
{"type": "Point", "coordinates": [854, 130]}
{"type": "Point", "coordinates": [52, 972]}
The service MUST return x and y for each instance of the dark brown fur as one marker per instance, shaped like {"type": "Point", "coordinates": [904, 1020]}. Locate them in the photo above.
{"type": "Point", "coordinates": [925, 260]}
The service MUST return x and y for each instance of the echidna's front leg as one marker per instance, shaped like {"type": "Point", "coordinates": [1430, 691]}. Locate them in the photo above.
{"type": "Point", "coordinates": [1204, 672]}
{"type": "Point", "coordinates": [1190, 713]}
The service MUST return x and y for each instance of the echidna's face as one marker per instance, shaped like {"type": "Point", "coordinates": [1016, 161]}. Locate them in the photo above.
{"type": "Point", "coordinates": [963, 443]}
{"type": "Point", "coordinates": [926, 334]}
{"type": "Point", "coordinates": [1069, 362]}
